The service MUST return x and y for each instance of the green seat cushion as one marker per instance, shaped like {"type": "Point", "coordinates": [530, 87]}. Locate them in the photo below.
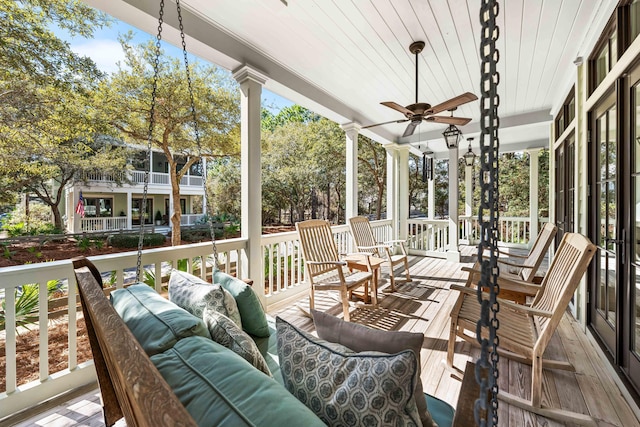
{"type": "Point", "coordinates": [220, 388]}
{"type": "Point", "coordinates": [155, 322]}
{"type": "Point", "coordinates": [254, 320]}
{"type": "Point", "coordinates": [441, 412]}
{"type": "Point", "coordinates": [347, 388]}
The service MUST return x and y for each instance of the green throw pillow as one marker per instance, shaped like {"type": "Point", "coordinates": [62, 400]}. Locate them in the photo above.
{"type": "Point", "coordinates": [155, 322]}
{"type": "Point", "coordinates": [346, 388]}
{"type": "Point", "coordinates": [362, 338]}
{"type": "Point", "coordinates": [254, 319]}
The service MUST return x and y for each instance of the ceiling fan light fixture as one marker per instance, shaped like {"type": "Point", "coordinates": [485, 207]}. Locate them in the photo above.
{"type": "Point", "coordinates": [469, 156]}
{"type": "Point", "coordinates": [452, 136]}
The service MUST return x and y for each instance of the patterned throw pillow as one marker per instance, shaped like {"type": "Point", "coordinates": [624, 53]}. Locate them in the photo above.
{"type": "Point", "coordinates": [194, 295]}
{"type": "Point", "coordinates": [225, 332]}
{"type": "Point", "coordinates": [362, 338]}
{"type": "Point", "coordinates": [346, 388]}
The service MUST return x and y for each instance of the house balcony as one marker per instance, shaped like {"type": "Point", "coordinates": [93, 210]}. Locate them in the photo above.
{"type": "Point", "coordinates": [422, 306]}
{"type": "Point", "coordinates": [155, 178]}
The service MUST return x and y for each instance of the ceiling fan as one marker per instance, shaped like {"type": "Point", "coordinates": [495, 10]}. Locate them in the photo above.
{"type": "Point", "coordinates": [416, 113]}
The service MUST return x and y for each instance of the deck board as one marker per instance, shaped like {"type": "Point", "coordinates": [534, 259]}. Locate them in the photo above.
{"type": "Point", "coordinates": [423, 305]}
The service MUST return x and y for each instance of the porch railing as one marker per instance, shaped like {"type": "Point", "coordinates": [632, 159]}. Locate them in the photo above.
{"type": "Point", "coordinates": [160, 178]}
{"type": "Point", "coordinates": [514, 231]}
{"type": "Point", "coordinates": [428, 237]}
{"type": "Point", "coordinates": [102, 224]}
{"type": "Point", "coordinates": [281, 281]}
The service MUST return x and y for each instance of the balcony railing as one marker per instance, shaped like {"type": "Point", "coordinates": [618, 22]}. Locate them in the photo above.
{"type": "Point", "coordinates": [428, 237]}
{"type": "Point", "coordinates": [514, 231]}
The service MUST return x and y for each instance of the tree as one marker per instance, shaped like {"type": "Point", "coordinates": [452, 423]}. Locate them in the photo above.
{"type": "Point", "coordinates": [372, 158]}
{"type": "Point", "coordinates": [127, 98]}
{"type": "Point", "coordinates": [63, 143]}
{"type": "Point", "coordinates": [303, 165]}
{"type": "Point", "coordinates": [42, 81]}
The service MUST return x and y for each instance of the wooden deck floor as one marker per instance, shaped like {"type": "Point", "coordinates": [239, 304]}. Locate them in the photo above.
{"type": "Point", "coordinates": [423, 306]}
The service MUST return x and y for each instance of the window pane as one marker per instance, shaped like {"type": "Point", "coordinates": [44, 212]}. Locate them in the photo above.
{"type": "Point", "coordinates": [602, 140]}
{"type": "Point", "coordinates": [611, 214]}
{"type": "Point", "coordinates": [613, 46]}
{"type": "Point", "coordinates": [636, 213]}
{"type": "Point", "coordinates": [634, 19]}
{"type": "Point", "coordinates": [602, 64]}
{"type": "Point", "coordinates": [603, 214]}
{"type": "Point", "coordinates": [611, 144]}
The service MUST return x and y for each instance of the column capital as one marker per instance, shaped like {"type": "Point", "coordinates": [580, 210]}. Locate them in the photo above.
{"type": "Point", "coordinates": [534, 150]}
{"type": "Point", "coordinates": [247, 72]}
{"type": "Point", "coordinates": [397, 147]}
{"type": "Point", "coordinates": [351, 127]}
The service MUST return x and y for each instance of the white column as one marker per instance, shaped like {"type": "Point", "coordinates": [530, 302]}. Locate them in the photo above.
{"type": "Point", "coordinates": [392, 187]}
{"type": "Point", "coordinates": [403, 191]}
{"type": "Point", "coordinates": [453, 254]}
{"type": "Point", "coordinates": [351, 131]}
{"type": "Point", "coordinates": [468, 200]}
{"type": "Point", "coordinates": [533, 194]}
{"type": "Point", "coordinates": [431, 192]}
{"type": "Point", "coordinates": [77, 228]}
{"type": "Point", "coordinates": [251, 82]}
{"type": "Point", "coordinates": [204, 192]}
{"type": "Point", "coordinates": [128, 211]}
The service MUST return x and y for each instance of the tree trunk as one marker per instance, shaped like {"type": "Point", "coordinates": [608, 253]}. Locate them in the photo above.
{"type": "Point", "coordinates": [176, 236]}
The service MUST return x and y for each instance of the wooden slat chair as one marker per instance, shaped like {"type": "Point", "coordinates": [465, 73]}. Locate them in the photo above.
{"type": "Point", "coordinates": [365, 241]}
{"type": "Point", "coordinates": [525, 331]}
{"type": "Point", "coordinates": [324, 269]}
{"type": "Point", "coordinates": [511, 283]}
{"type": "Point", "coordinates": [525, 267]}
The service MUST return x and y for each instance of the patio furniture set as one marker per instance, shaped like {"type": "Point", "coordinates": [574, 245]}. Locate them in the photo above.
{"type": "Point", "coordinates": [186, 361]}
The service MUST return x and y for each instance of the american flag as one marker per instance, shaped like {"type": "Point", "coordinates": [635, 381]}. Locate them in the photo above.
{"type": "Point", "coordinates": [80, 206]}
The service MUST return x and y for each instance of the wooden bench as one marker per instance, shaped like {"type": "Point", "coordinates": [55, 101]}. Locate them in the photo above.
{"type": "Point", "coordinates": [130, 384]}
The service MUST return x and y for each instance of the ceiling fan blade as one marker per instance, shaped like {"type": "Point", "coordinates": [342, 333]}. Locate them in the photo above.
{"type": "Point", "coordinates": [411, 128]}
{"type": "Point", "coordinates": [386, 123]}
{"type": "Point", "coordinates": [398, 107]}
{"type": "Point", "coordinates": [461, 121]}
{"type": "Point", "coordinates": [452, 103]}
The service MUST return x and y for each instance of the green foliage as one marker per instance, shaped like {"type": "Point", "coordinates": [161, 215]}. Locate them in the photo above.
{"type": "Point", "coordinates": [126, 95]}
{"type": "Point", "coordinates": [131, 240]}
{"type": "Point", "coordinates": [303, 169]}
{"type": "Point", "coordinates": [84, 244]}
{"type": "Point", "coordinates": [158, 216]}
{"type": "Point", "coordinates": [27, 304]}
{"type": "Point", "coordinates": [37, 222]}
{"type": "Point", "coordinates": [98, 243]}
{"type": "Point", "coordinates": [35, 250]}
{"type": "Point", "coordinates": [6, 253]}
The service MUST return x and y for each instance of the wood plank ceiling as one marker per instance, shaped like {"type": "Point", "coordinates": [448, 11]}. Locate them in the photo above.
{"type": "Point", "coordinates": [343, 57]}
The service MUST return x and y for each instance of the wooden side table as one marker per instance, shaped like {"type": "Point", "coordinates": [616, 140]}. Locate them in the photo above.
{"type": "Point", "coordinates": [359, 262]}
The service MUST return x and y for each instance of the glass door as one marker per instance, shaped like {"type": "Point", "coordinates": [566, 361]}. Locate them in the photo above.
{"type": "Point", "coordinates": [630, 235]}
{"type": "Point", "coordinates": [604, 222]}
{"type": "Point", "coordinates": [136, 206]}
{"type": "Point", "coordinates": [565, 187]}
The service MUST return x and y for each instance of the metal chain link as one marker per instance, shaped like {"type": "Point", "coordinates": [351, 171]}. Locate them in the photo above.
{"type": "Point", "coordinates": [147, 164]}
{"type": "Point", "coordinates": [487, 365]}
{"type": "Point", "coordinates": [205, 206]}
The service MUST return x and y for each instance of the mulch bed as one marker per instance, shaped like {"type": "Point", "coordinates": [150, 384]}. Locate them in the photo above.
{"type": "Point", "coordinates": [28, 347]}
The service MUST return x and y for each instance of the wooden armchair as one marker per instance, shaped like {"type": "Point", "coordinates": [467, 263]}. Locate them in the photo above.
{"type": "Point", "coordinates": [366, 242]}
{"type": "Point", "coordinates": [524, 267]}
{"type": "Point", "coordinates": [525, 332]}
{"type": "Point", "coordinates": [324, 269]}
{"type": "Point", "coordinates": [511, 283]}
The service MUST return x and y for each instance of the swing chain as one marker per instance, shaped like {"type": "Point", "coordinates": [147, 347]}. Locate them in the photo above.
{"type": "Point", "coordinates": [147, 161]}
{"type": "Point", "coordinates": [197, 135]}
{"type": "Point", "coordinates": [489, 122]}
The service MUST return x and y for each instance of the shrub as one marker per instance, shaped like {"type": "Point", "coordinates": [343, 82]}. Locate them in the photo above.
{"type": "Point", "coordinates": [131, 240]}
{"type": "Point", "coordinates": [195, 234]}
{"type": "Point", "coordinates": [39, 221]}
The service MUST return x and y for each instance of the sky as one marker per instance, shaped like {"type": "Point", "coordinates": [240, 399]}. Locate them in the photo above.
{"type": "Point", "coordinates": [106, 52]}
